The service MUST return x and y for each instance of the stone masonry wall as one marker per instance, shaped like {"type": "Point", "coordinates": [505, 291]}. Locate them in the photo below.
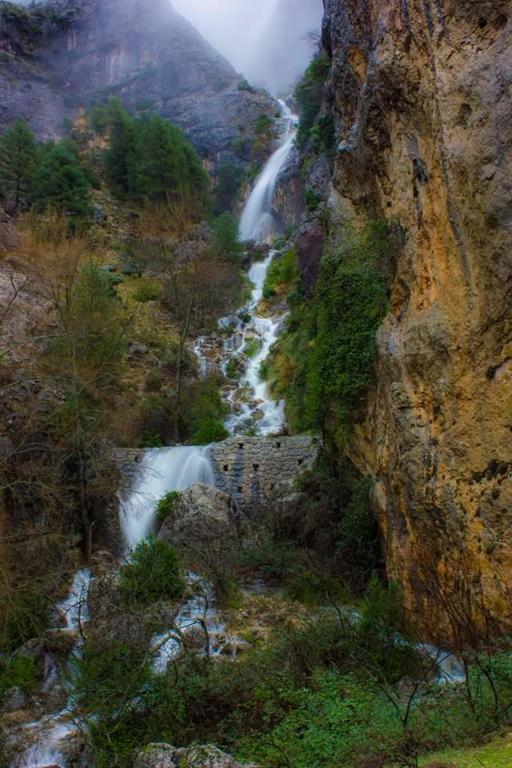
{"type": "Point", "coordinates": [254, 470]}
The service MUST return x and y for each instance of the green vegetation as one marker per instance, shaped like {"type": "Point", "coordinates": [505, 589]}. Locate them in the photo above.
{"type": "Point", "coordinates": [153, 573]}
{"type": "Point", "coordinates": [167, 505]}
{"type": "Point", "coordinates": [309, 95]}
{"type": "Point", "coordinates": [228, 183]}
{"type": "Point", "coordinates": [282, 274]}
{"type": "Point", "coordinates": [252, 347]}
{"type": "Point", "coordinates": [328, 690]}
{"type": "Point", "coordinates": [60, 182]}
{"type": "Point", "coordinates": [324, 363]}
{"type": "Point", "coordinates": [226, 242]}
{"type": "Point", "coordinates": [497, 754]}
{"type": "Point", "coordinates": [18, 161]}
{"type": "Point", "coordinates": [18, 672]}
{"type": "Point", "coordinates": [205, 411]}
{"type": "Point", "coordinates": [24, 617]}
{"type": "Point", "coordinates": [147, 289]}
{"type": "Point", "coordinates": [149, 158]}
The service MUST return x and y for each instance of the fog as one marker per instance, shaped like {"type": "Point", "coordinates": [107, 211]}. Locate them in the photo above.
{"type": "Point", "coordinates": [263, 39]}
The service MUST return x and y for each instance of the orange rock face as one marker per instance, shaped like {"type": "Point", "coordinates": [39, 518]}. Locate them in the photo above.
{"type": "Point", "coordinates": [421, 91]}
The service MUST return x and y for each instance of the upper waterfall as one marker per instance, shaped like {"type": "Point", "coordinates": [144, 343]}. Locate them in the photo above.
{"type": "Point", "coordinates": [257, 221]}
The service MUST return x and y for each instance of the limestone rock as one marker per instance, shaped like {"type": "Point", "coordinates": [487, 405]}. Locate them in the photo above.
{"type": "Point", "coordinates": [156, 756]}
{"type": "Point", "coordinates": [418, 92]}
{"type": "Point", "coordinates": [200, 513]}
{"type": "Point", "coordinates": [166, 756]}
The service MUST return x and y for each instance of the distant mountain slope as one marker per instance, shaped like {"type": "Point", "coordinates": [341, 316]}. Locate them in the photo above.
{"type": "Point", "coordinates": [68, 54]}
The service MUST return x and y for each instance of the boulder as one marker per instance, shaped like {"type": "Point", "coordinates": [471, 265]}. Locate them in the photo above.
{"type": "Point", "coordinates": [156, 756]}
{"type": "Point", "coordinates": [201, 513]}
{"type": "Point", "coordinates": [166, 756]}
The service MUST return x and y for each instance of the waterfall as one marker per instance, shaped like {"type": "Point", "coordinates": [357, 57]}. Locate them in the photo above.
{"type": "Point", "coordinates": [257, 221]}
{"type": "Point", "coordinates": [162, 470]}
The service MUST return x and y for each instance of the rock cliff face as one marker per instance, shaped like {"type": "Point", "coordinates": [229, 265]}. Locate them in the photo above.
{"type": "Point", "coordinates": [69, 54]}
{"type": "Point", "coordinates": [420, 91]}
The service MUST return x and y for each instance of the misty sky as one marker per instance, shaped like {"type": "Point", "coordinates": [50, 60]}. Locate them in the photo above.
{"type": "Point", "coordinates": [263, 39]}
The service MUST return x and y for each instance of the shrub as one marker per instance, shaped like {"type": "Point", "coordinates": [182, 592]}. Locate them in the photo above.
{"type": "Point", "coordinates": [309, 95]}
{"type": "Point", "coordinates": [314, 588]}
{"type": "Point", "coordinates": [252, 347]}
{"type": "Point", "coordinates": [226, 241]}
{"type": "Point", "coordinates": [26, 616]}
{"type": "Point", "coordinates": [19, 672]}
{"type": "Point", "coordinates": [147, 290]}
{"type": "Point", "coordinates": [166, 505]}
{"type": "Point", "coordinates": [282, 274]}
{"type": "Point", "coordinates": [154, 573]}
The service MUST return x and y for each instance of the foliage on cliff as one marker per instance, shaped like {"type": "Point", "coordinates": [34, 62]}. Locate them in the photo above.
{"type": "Point", "coordinates": [323, 364]}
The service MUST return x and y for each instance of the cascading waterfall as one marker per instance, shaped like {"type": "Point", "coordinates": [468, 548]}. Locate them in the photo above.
{"type": "Point", "coordinates": [257, 222]}
{"type": "Point", "coordinates": [162, 470]}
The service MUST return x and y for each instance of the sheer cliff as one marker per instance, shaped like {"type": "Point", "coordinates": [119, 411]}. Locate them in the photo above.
{"type": "Point", "coordinates": [58, 57]}
{"type": "Point", "coordinates": [420, 94]}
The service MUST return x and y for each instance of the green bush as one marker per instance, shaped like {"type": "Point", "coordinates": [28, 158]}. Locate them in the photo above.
{"type": "Point", "coordinates": [154, 573]}
{"type": "Point", "coordinates": [282, 274]}
{"type": "Point", "coordinates": [309, 95]}
{"type": "Point", "coordinates": [61, 182]}
{"type": "Point", "coordinates": [167, 505]}
{"type": "Point", "coordinates": [324, 363]}
{"type": "Point", "coordinates": [204, 412]}
{"type": "Point", "coordinates": [147, 290]}
{"type": "Point", "coordinates": [252, 347]}
{"type": "Point", "coordinates": [18, 672]}
{"type": "Point", "coordinates": [314, 588]}
{"type": "Point", "coordinates": [226, 240]}
{"type": "Point", "coordinates": [25, 617]}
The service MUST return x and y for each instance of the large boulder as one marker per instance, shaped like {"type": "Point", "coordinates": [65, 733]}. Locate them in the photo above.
{"type": "Point", "coordinates": [202, 513]}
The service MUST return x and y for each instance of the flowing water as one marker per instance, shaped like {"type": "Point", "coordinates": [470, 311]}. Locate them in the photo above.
{"type": "Point", "coordinates": [174, 469]}
{"type": "Point", "coordinates": [161, 470]}
{"type": "Point", "coordinates": [257, 221]}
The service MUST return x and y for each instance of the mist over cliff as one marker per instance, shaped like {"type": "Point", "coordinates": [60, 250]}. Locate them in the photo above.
{"type": "Point", "coordinates": [266, 41]}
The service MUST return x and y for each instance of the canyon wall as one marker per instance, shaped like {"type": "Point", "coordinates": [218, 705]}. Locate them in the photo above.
{"type": "Point", "coordinates": [420, 91]}
{"type": "Point", "coordinates": [70, 54]}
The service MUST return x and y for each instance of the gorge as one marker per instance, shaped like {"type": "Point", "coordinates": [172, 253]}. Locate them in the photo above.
{"type": "Point", "coordinates": [255, 392]}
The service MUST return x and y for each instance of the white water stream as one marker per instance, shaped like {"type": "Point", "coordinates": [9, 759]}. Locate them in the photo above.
{"type": "Point", "coordinates": [161, 470]}
{"type": "Point", "coordinates": [257, 222]}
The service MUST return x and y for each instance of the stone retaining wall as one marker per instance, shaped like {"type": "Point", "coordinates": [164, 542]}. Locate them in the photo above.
{"type": "Point", "coordinates": [255, 470]}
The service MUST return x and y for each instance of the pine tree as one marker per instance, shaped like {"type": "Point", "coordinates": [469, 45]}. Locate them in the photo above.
{"type": "Point", "coordinates": [18, 161]}
{"type": "Point", "coordinates": [120, 158]}
{"type": "Point", "coordinates": [60, 181]}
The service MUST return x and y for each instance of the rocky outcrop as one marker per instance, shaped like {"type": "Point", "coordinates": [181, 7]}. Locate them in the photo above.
{"type": "Point", "coordinates": [166, 756]}
{"type": "Point", "coordinates": [69, 54]}
{"type": "Point", "coordinates": [200, 515]}
{"type": "Point", "coordinates": [420, 93]}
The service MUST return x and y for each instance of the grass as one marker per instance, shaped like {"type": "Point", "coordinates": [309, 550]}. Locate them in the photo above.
{"type": "Point", "coordinates": [497, 754]}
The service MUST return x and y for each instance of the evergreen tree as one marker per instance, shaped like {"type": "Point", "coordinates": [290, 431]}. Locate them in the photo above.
{"type": "Point", "coordinates": [60, 181]}
{"type": "Point", "coordinates": [120, 158]}
{"type": "Point", "coordinates": [18, 160]}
